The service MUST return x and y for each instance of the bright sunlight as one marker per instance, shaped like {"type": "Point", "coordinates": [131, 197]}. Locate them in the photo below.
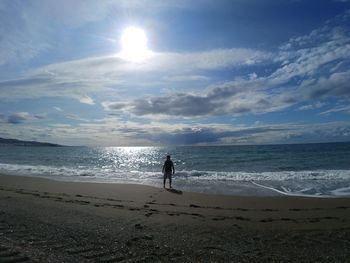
{"type": "Point", "coordinates": [134, 45]}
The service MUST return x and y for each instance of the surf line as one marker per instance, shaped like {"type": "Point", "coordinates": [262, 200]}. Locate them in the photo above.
{"type": "Point", "coordinates": [291, 194]}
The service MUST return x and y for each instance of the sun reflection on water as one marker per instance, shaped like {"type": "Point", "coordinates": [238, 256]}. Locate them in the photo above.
{"type": "Point", "coordinates": [132, 158]}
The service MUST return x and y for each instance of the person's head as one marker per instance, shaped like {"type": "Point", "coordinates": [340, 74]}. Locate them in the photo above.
{"type": "Point", "coordinates": [168, 157]}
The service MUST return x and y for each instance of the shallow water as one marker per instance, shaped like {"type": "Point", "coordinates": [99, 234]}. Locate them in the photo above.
{"type": "Point", "coordinates": [304, 169]}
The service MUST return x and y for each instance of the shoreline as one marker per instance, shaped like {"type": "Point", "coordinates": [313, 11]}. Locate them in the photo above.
{"type": "Point", "coordinates": [240, 188]}
{"type": "Point", "coordinates": [55, 221]}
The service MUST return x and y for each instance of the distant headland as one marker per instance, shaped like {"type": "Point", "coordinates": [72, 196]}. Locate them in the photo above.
{"type": "Point", "coordinates": [15, 142]}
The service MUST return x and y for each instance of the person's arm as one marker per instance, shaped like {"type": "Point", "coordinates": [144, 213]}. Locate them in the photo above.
{"type": "Point", "coordinates": [163, 168]}
{"type": "Point", "coordinates": [172, 164]}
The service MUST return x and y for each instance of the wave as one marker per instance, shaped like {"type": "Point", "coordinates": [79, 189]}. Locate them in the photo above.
{"type": "Point", "coordinates": [301, 183]}
{"type": "Point", "coordinates": [267, 176]}
{"type": "Point", "coordinates": [182, 174]}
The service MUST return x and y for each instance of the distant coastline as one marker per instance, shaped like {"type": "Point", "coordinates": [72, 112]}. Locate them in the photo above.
{"type": "Point", "coordinates": [15, 142]}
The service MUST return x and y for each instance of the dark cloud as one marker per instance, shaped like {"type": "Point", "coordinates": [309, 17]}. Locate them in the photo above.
{"type": "Point", "coordinates": [201, 135]}
{"type": "Point", "coordinates": [114, 105]}
{"type": "Point", "coordinates": [40, 116]}
{"type": "Point", "coordinates": [243, 98]}
{"type": "Point", "coordinates": [189, 105]}
{"type": "Point", "coordinates": [75, 117]}
{"type": "Point", "coordinates": [252, 131]}
{"type": "Point", "coordinates": [230, 98]}
{"type": "Point", "coordinates": [175, 104]}
{"type": "Point", "coordinates": [18, 117]}
{"type": "Point", "coordinates": [267, 134]}
{"type": "Point", "coordinates": [187, 137]}
{"type": "Point", "coordinates": [337, 85]}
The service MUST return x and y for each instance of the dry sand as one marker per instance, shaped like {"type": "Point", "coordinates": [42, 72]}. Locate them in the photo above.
{"type": "Point", "coordinates": [43, 220]}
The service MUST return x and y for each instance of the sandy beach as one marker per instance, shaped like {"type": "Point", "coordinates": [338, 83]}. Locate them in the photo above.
{"type": "Point", "coordinates": [43, 220]}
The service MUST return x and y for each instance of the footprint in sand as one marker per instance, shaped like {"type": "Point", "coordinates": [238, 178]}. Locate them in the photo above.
{"type": "Point", "coordinates": [266, 220]}
{"type": "Point", "coordinates": [242, 218]}
{"type": "Point", "coordinates": [10, 255]}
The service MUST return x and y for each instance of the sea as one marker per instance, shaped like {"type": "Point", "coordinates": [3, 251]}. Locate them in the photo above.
{"type": "Point", "coordinates": [316, 170]}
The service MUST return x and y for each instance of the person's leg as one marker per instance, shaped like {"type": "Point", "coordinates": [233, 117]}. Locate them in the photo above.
{"type": "Point", "coordinates": [164, 180]}
{"type": "Point", "coordinates": [170, 180]}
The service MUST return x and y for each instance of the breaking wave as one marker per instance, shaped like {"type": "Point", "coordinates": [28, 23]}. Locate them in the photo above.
{"type": "Point", "coordinates": [302, 183]}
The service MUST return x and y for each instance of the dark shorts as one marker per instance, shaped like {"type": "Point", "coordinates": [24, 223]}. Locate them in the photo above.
{"type": "Point", "coordinates": [167, 175]}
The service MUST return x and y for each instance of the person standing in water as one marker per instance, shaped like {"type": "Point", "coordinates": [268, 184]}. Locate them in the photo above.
{"type": "Point", "coordinates": [168, 170]}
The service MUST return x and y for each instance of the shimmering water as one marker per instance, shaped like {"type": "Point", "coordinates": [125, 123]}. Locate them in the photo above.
{"type": "Point", "coordinates": [305, 169]}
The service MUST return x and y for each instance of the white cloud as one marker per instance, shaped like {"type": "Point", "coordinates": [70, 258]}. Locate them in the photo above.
{"type": "Point", "coordinates": [184, 78]}
{"type": "Point", "coordinates": [253, 95]}
{"type": "Point", "coordinates": [307, 56]}
{"type": "Point", "coordinates": [29, 28]}
{"type": "Point", "coordinates": [97, 68]}
{"type": "Point", "coordinates": [309, 68]}
{"type": "Point", "coordinates": [40, 116]}
{"type": "Point", "coordinates": [340, 108]}
{"type": "Point", "coordinates": [101, 75]}
{"type": "Point", "coordinates": [216, 59]}
{"type": "Point", "coordinates": [76, 117]}
{"type": "Point", "coordinates": [87, 100]}
{"type": "Point", "coordinates": [313, 106]}
{"type": "Point", "coordinates": [307, 73]}
{"type": "Point", "coordinates": [336, 85]}
{"type": "Point", "coordinates": [57, 108]}
{"type": "Point", "coordinates": [234, 98]}
{"type": "Point", "coordinates": [16, 28]}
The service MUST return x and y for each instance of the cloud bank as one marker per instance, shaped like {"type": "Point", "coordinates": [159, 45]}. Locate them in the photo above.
{"type": "Point", "coordinates": [141, 100]}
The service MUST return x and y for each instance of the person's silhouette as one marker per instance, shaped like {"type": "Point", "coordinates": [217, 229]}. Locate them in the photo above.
{"type": "Point", "coordinates": [168, 170]}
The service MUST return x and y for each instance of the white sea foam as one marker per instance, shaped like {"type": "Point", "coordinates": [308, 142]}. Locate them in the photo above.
{"type": "Point", "coordinates": [302, 183]}
{"type": "Point", "coordinates": [267, 176]}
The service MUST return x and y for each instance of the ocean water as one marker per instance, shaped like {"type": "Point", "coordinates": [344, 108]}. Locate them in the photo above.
{"type": "Point", "coordinates": [303, 169]}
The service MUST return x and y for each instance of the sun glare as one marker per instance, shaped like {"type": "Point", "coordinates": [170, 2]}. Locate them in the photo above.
{"type": "Point", "coordinates": [134, 45]}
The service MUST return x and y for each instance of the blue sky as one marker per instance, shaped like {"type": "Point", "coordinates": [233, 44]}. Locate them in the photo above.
{"type": "Point", "coordinates": [218, 72]}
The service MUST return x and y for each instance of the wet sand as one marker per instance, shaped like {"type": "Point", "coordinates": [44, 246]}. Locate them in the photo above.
{"type": "Point", "coordinates": [43, 220]}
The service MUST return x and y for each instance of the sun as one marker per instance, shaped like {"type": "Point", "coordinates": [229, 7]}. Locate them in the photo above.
{"type": "Point", "coordinates": [134, 45]}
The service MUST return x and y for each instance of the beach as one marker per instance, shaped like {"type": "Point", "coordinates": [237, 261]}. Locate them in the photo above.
{"type": "Point", "coordinates": [43, 220]}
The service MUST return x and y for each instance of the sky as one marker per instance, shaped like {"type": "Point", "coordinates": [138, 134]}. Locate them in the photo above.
{"type": "Point", "coordinates": [203, 73]}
